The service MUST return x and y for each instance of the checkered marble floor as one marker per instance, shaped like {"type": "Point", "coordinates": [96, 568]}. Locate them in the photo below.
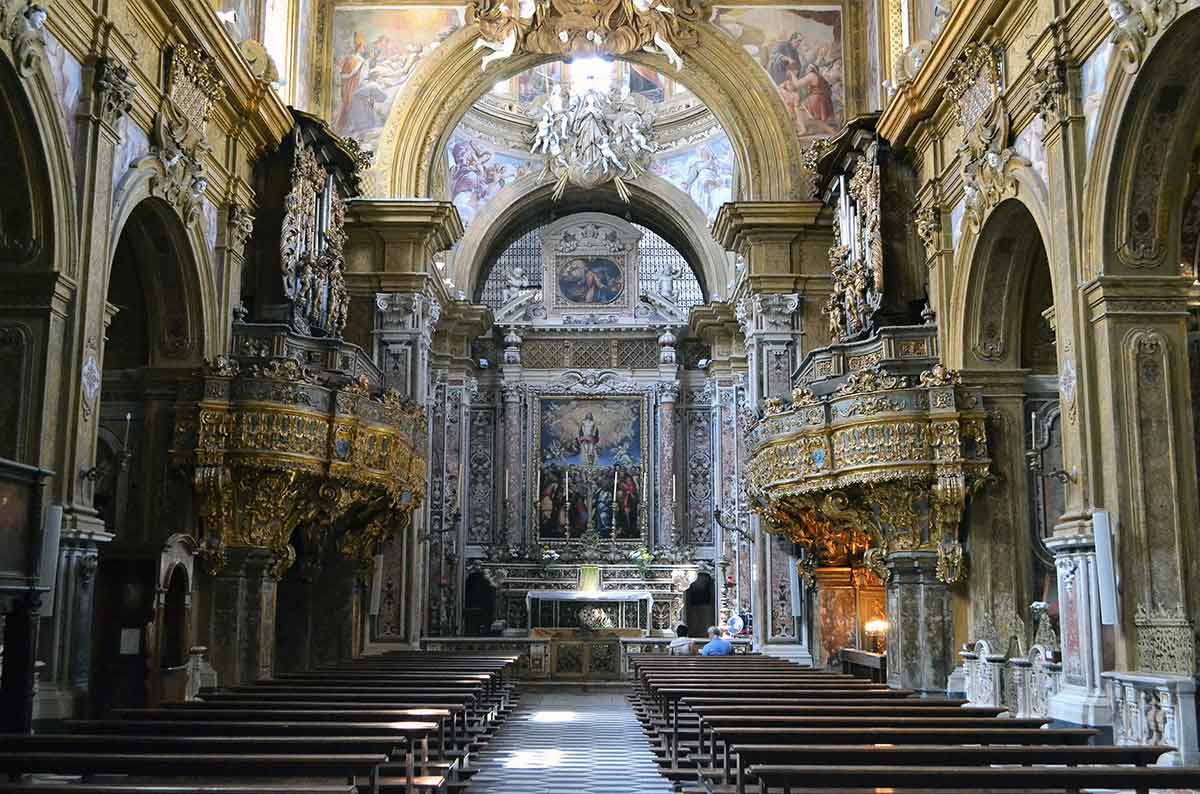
{"type": "Point", "coordinates": [569, 742]}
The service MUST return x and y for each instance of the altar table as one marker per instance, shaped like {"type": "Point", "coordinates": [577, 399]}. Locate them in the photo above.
{"type": "Point", "coordinates": [573, 617]}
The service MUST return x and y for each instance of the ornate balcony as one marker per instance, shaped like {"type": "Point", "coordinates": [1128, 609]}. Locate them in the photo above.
{"type": "Point", "coordinates": [869, 463]}
{"type": "Point", "coordinates": [276, 445]}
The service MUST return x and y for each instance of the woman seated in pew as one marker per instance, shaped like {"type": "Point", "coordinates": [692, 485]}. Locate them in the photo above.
{"type": "Point", "coordinates": [717, 645]}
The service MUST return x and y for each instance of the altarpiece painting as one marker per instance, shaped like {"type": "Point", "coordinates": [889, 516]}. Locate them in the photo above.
{"type": "Point", "coordinates": [591, 478]}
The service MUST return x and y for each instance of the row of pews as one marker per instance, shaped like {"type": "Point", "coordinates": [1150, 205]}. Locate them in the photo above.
{"type": "Point", "coordinates": [736, 724]}
{"type": "Point", "coordinates": [398, 723]}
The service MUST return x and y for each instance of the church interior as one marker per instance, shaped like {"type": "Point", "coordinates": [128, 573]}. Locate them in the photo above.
{"type": "Point", "coordinates": [532, 396]}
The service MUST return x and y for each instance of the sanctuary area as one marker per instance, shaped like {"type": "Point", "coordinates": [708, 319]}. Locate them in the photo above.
{"type": "Point", "coordinates": [581, 395]}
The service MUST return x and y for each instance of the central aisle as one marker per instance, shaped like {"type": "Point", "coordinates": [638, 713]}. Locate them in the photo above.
{"type": "Point", "coordinates": [569, 742]}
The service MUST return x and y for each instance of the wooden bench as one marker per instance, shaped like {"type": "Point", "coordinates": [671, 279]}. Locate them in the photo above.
{"type": "Point", "coordinates": [791, 778]}
{"type": "Point", "coordinates": [917, 755]}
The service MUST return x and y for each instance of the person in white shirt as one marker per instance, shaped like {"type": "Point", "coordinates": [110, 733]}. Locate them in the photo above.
{"type": "Point", "coordinates": [682, 644]}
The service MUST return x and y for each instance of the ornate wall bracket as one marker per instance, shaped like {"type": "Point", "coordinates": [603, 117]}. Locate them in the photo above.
{"type": "Point", "coordinates": [883, 463]}
{"type": "Point", "coordinates": [275, 446]}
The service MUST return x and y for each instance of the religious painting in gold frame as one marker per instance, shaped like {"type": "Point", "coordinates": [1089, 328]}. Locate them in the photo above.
{"type": "Point", "coordinates": [591, 458]}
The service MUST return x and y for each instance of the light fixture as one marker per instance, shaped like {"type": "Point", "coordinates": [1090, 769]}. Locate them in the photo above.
{"type": "Point", "coordinates": [876, 629]}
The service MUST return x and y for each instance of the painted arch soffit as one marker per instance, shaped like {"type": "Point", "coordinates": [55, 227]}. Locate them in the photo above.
{"type": "Point", "coordinates": [411, 150]}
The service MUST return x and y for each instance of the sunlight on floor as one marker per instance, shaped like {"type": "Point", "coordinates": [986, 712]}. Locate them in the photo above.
{"type": "Point", "coordinates": [534, 759]}
{"type": "Point", "coordinates": [553, 716]}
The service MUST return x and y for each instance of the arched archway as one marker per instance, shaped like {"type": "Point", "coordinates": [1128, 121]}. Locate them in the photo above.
{"type": "Point", "coordinates": [654, 202]}
{"type": "Point", "coordinates": [1000, 334]}
{"type": "Point", "coordinates": [1150, 124]}
{"type": "Point", "coordinates": [158, 331]}
{"type": "Point", "coordinates": [722, 75]}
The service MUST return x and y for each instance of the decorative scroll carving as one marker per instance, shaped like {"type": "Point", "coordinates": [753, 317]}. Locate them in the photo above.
{"type": "Point", "coordinates": [929, 228]}
{"type": "Point", "coordinates": [975, 83]}
{"type": "Point", "coordinates": [1136, 23]}
{"type": "Point", "coordinates": [112, 90]}
{"type": "Point", "coordinates": [1050, 91]}
{"type": "Point", "coordinates": [856, 258]}
{"type": "Point", "coordinates": [23, 23]}
{"type": "Point", "coordinates": [311, 248]}
{"type": "Point", "coordinates": [699, 465]}
{"type": "Point", "coordinates": [589, 27]}
{"type": "Point", "coordinates": [241, 225]}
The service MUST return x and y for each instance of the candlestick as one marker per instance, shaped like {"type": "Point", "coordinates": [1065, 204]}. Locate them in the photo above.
{"type": "Point", "coordinates": [672, 487]}
{"type": "Point", "coordinates": [614, 501]}
{"type": "Point", "coordinates": [125, 443]}
{"type": "Point", "coordinates": [1033, 429]}
{"type": "Point", "coordinates": [567, 488]}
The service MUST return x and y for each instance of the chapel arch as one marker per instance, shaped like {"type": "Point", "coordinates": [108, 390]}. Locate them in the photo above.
{"type": "Point", "coordinates": [721, 74]}
{"type": "Point", "coordinates": [1137, 210]}
{"type": "Point", "coordinates": [654, 203]}
{"type": "Point", "coordinates": [153, 340]}
{"type": "Point", "coordinates": [1005, 341]}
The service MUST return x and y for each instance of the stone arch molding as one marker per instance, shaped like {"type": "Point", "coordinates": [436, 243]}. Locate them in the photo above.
{"type": "Point", "coordinates": [1149, 118]}
{"type": "Point", "coordinates": [663, 207]}
{"type": "Point", "coordinates": [721, 74]}
{"type": "Point", "coordinates": [45, 142]}
{"type": "Point", "coordinates": [195, 269]}
{"type": "Point", "coordinates": [986, 282]}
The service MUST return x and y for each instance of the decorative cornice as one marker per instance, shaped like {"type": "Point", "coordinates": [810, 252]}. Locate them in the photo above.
{"type": "Point", "coordinates": [740, 223]}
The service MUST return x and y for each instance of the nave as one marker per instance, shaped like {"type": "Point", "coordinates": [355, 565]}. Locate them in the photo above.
{"type": "Point", "coordinates": [569, 739]}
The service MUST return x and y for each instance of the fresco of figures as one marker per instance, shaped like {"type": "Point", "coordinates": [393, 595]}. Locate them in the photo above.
{"type": "Point", "coordinates": [477, 171]}
{"type": "Point", "coordinates": [590, 475]}
{"type": "Point", "coordinates": [703, 171]}
{"type": "Point", "coordinates": [801, 50]}
{"type": "Point", "coordinates": [375, 51]}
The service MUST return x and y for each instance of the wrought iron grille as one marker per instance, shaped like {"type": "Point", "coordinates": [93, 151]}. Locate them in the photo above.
{"type": "Point", "coordinates": [656, 256]}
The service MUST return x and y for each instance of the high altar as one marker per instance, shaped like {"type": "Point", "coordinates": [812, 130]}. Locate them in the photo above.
{"type": "Point", "coordinates": [592, 462]}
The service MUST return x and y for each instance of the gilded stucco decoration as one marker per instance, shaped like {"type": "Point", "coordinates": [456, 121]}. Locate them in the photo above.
{"type": "Point", "coordinates": [112, 90]}
{"type": "Point", "coordinates": [311, 248]}
{"type": "Point", "coordinates": [975, 84]}
{"type": "Point", "coordinates": [1135, 24]}
{"type": "Point", "coordinates": [275, 446]}
{"type": "Point", "coordinates": [571, 28]}
{"type": "Point", "coordinates": [883, 451]}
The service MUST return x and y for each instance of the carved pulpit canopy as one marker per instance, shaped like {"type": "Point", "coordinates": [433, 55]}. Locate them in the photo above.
{"type": "Point", "coordinates": [295, 434]}
{"type": "Point", "coordinates": [874, 464]}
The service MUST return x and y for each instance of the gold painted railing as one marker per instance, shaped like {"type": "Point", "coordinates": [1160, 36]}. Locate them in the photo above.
{"type": "Point", "coordinates": [880, 465]}
{"type": "Point", "coordinates": [275, 447]}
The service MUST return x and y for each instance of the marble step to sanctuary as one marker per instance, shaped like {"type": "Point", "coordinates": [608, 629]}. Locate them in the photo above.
{"type": "Point", "coordinates": [569, 741]}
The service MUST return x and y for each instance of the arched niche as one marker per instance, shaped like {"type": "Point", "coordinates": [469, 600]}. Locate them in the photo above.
{"type": "Point", "coordinates": [654, 203]}
{"type": "Point", "coordinates": [158, 276]}
{"type": "Point", "coordinates": [38, 234]}
{"type": "Point", "coordinates": [1150, 121]}
{"type": "Point", "coordinates": [982, 317]}
{"type": "Point", "coordinates": [1001, 337]}
{"type": "Point", "coordinates": [720, 73]}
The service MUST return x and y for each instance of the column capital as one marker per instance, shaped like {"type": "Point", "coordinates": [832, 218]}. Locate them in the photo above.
{"type": "Point", "coordinates": [771, 313]}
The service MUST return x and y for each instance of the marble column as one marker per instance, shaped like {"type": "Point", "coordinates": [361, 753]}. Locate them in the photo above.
{"type": "Point", "coordinates": [514, 527]}
{"type": "Point", "coordinates": [239, 624]}
{"type": "Point", "coordinates": [920, 617]}
{"type": "Point", "coordinates": [668, 477]}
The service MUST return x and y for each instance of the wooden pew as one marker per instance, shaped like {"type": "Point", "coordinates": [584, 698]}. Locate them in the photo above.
{"type": "Point", "coordinates": [790, 778]}
{"type": "Point", "coordinates": [918, 755]}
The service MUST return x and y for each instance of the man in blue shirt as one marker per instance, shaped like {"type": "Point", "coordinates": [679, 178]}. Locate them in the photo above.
{"type": "Point", "coordinates": [717, 646]}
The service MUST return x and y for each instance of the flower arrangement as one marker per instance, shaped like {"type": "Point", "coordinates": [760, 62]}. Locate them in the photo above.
{"type": "Point", "coordinates": [642, 557]}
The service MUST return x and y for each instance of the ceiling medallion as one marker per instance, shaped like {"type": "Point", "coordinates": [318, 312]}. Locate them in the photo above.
{"type": "Point", "coordinates": [594, 137]}
{"type": "Point", "coordinates": [570, 28]}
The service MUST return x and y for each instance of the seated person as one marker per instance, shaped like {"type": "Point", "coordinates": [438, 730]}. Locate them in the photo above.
{"type": "Point", "coordinates": [682, 644]}
{"type": "Point", "coordinates": [717, 645]}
